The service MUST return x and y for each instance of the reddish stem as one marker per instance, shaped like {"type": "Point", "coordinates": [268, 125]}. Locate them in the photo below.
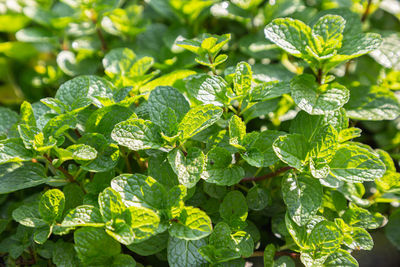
{"type": "Point", "coordinates": [266, 176]}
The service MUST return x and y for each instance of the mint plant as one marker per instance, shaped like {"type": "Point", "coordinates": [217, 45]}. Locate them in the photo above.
{"type": "Point", "coordinates": [171, 142]}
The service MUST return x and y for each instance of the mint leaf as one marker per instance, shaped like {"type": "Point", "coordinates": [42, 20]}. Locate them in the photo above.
{"type": "Point", "coordinates": [151, 246]}
{"type": "Point", "coordinates": [110, 204]}
{"type": "Point", "coordinates": [51, 205]}
{"type": "Point", "coordinates": [302, 196]}
{"type": "Point", "coordinates": [192, 224]}
{"type": "Point", "coordinates": [258, 198]}
{"type": "Point", "coordinates": [259, 150]}
{"type": "Point", "coordinates": [13, 150]}
{"type": "Point", "coordinates": [341, 257]}
{"type": "Point", "coordinates": [219, 168]}
{"type": "Point", "coordinates": [242, 79]}
{"type": "Point", "coordinates": [372, 103]}
{"type": "Point", "coordinates": [233, 209]}
{"type": "Point", "coordinates": [188, 168]}
{"type": "Point", "coordinates": [167, 101]}
{"type": "Point", "coordinates": [94, 246]}
{"type": "Point", "coordinates": [269, 255]}
{"type": "Point", "coordinates": [84, 215]}
{"type": "Point", "coordinates": [325, 237]}
{"type": "Point", "coordinates": [138, 189]}
{"type": "Point", "coordinates": [143, 221]}
{"type": "Point", "coordinates": [198, 119]}
{"type": "Point", "coordinates": [315, 99]}
{"type": "Point", "coordinates": [7, 119]}
{"type": "Point", "coordinates": [237, 132]}
{"type": "Point", "coordinates": [137, 134]}
{"type": "Point", "coordinates": [355, 163]}
{"type": "Point", "coordinates": [208, 89]}
{"type": "Point", "coordinates": [17, 176]}
{"type": "Point", "coordinates": [184, 252]}
{"type": "Point", "coordinates": [104, 120]}
{"type": "Point", "coordinates": [98, 90]}
{"type": "Point", "coordinates": [292, 149]}
{"type": "Point", "coordinates": [289, 34]}
{"type": "Point", "coordinates": [28, 215]}
{"type": "Point", "coordinates": [327, 34]}
{"type": "Point", "coordinates": [392, 230]}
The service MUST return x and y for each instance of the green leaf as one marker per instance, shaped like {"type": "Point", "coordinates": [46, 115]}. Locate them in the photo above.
{"type": "Point", "coordinates": [81, 152]}
{"type": "Point", "coordinates": [167, 101]}
{"type": "Point", "coordinates": [198, 119]}
{"type": "Point", "coordinates": [341, 257]}
{"type": "Point", "coordinates": [302, 196]}
{"type": "Point", "coordinates": [94, 246]}
{"type": "Point", "coordinates": [327, 34]}
{"type": "Point", "coordinates": [289, 34]}
{"type": "Point", "coordinates": [315, 99]}
{"type": "Point", "coordinates": [292, 149]}
{"type": "Point", "coordinates": [325, 237]}
{"type": "Point", "coordinates": [138, 189]}
{"type": "Point", "coordinates": [85, 215]}
{"type": "Point", "coordinates": [64, 254]}
{"type": "Point", "coordinates": [237, 132]}
{"type": "Point", "coordinates": [244, 243]}
{"type": "Point", "coordinates": [219, 168]}
{"type": "Point", "coordinates": [122, 65]}
{"type": "Point", "coordinates": [359, 217]}
{"type": "Point", "coordinates": [137, 134]}
{"type": "Point", "coordinates": [123, 260]}
{"type": "Point", "coordinates": [208, 89]}
{"type": "Point", "coordinates": [192, 224]}
{"type": "Point", "coordinates": [188, 168]}
{"type": "Point", "coordinates": [143, 221]}
{"type": "Point", "coordinates": [107, 154]}
{"type": "Point", "coordinates": [258, 198]}
{"type": "Point", "coordinates": [372, 103]}
{"type": "Point", "coordinates": [56, 126]}
{"type": "Point", "coordinates": [110, 203]}
{"type": "Point", "coordinates": [185, 252]}
{"type": "Point", "coordinates": [242, 79]}
{"type": "Point", "coordinates": [28, 215]}
{"type": "Point", "coordinates": [284, 261]}
{"type": "Point", "coordinates": [386, 54]}
{"type": "Point", "coordinates": [348, 134]}
{"type": "Point", "coordinates": [361, 239]}
{"type": "Point", "coordinates": [269, 255]}
{"type": "Point", "coordinates": [259, 150]}
{"type": "Point", "coordinates": [17, 176]}
{"type": "Point", "coordinates": [98, 90]}
{"type": "Point", "coordinates": [151, 246]}
{"type": "Point", "coordinates": [233, 209]}
{"type": "Point", "coordinates": [27, 116]}
{"type": "Point", "coordinates": [392, 229]}
{"type": "Point", "coordinates": [269, 90]}
{"type": "Point", "coordinates": [358, 45]}
{"type": "Point", "coordinates": [13, 150]}
{"type": "Point", "coordinates": [104, 120]}
{"type": "Point", "coordinates": [42, 234]}
{"type": "Point", "coordinates": [7, 119]}
{"type": "Point", "coordinates": [51, 205]}
{"type": "Point", "coordinates": [355, 163]}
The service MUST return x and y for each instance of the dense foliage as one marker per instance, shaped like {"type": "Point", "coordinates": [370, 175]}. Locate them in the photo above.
{"type": "Point", "coordinates": [196, 132]}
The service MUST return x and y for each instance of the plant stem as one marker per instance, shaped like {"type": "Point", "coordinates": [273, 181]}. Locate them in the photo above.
{"type": "Point", "coordinates": [366, 12]}
{"type": "Point", "coordinates": [319, 76]}
{"type": "Point", "coordinates": [64, 171]}
{"type": "Point", "coordinates": [266, 176]}
{"type": "Point", "coordinates": [212, 67]}
{"type": "Point", "coordinates": [102, 40]}
{"type": "Point", "coordinates": [293, 255]}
